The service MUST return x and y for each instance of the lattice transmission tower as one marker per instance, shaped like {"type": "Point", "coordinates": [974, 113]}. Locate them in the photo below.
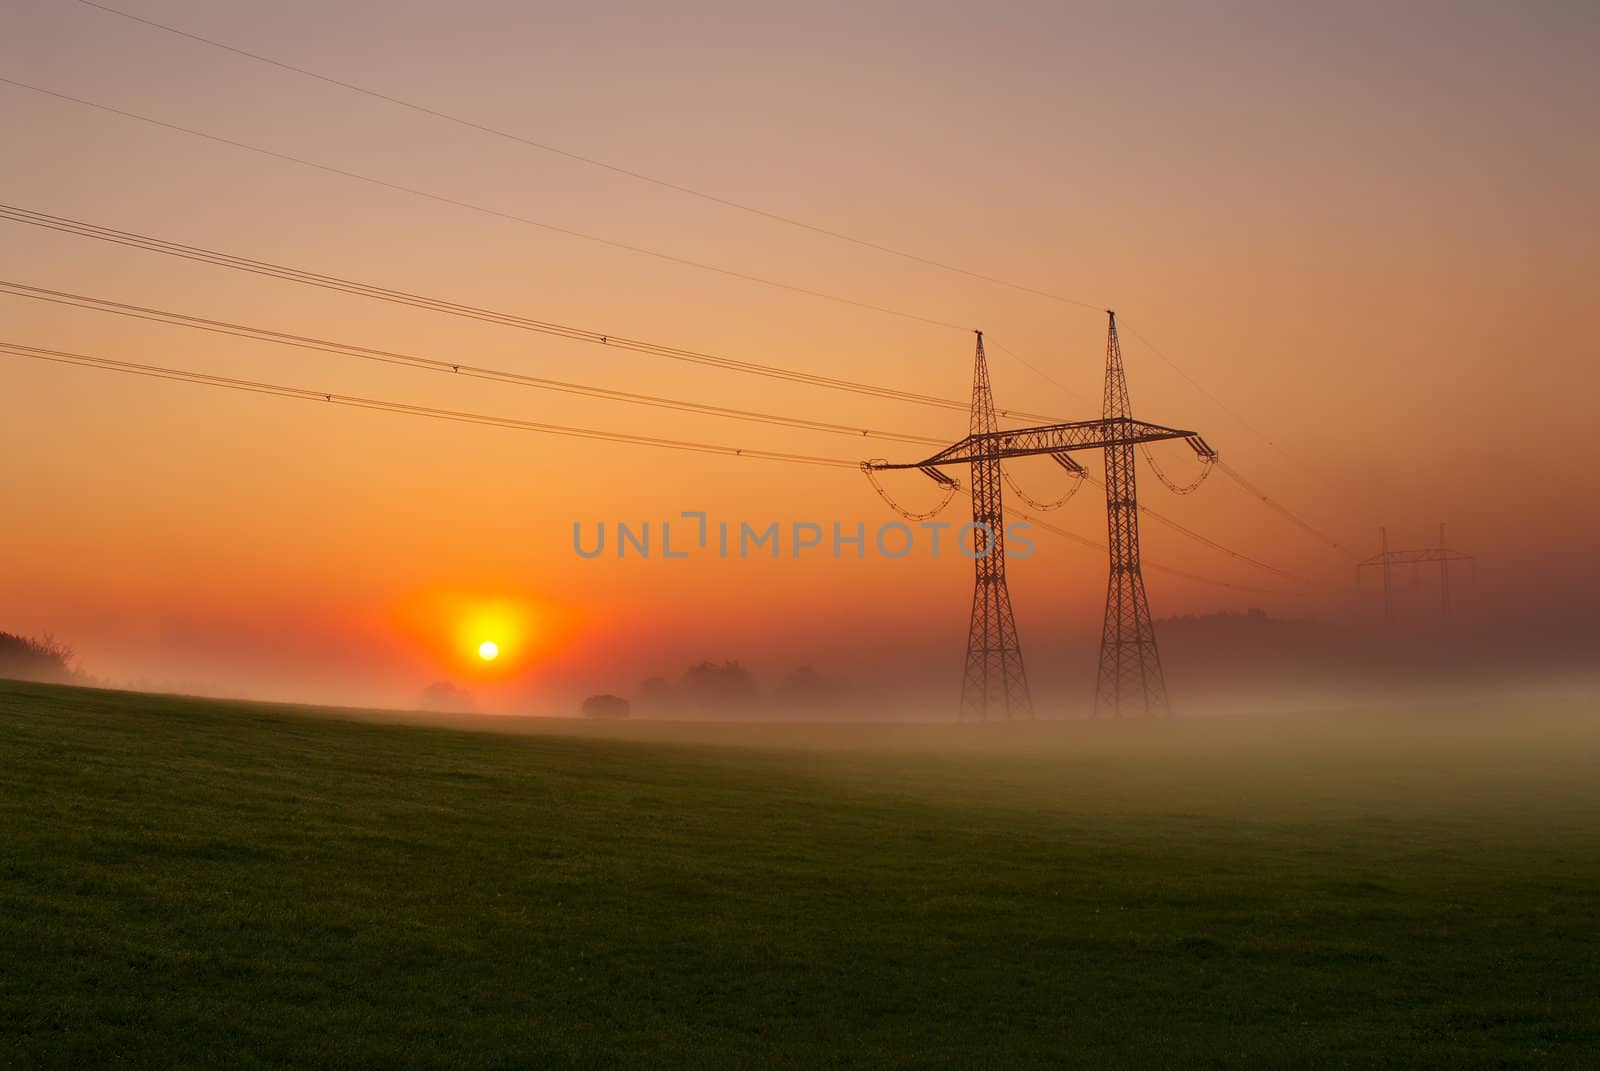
{"type": "Point", "coordinates": [994, 680]}
{"type": "Point", "coordinates": [1387, 559]}
{"type": "Point", "coordinates": [1130, 675]}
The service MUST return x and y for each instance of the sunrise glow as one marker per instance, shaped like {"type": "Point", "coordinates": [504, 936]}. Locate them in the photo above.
{"type": "Point", "coordinates": [523, 522]}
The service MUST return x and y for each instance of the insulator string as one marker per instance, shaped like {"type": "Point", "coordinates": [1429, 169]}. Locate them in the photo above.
{"type": "Point", "coordinates": [1206, 463]}
{"type": "Point", "coordinates": [949, 493]}
{"type": "Point", "coordinates": [1032, 503]}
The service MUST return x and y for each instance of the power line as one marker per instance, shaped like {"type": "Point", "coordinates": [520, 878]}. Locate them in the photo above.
{"type": "Point", "coordinates": [105, 364]}
{"type": "Point", "coordinates": [1207, 540]}
{"type": "Point", "coordinates": [592, 162]}
{"type": "Point", "coordinates": [1229, 551]}
{"type": "Point", "coordinates": [505, 376]}
{"type": "Point", "coordinates": [703, 195]}
{"type": "Point", "coordinates": [1214, 545]}
{"type": "Point", "coordinates": [323, 345]}
{"type": "Point", "coordinates": [680, 188]}
{"type": "Point", "coordinates": [653, 180]}
{"type": "Point", "coordinates": [484, 209]}
{"type": "Point", "coordinates": [1094, 545]}
{"type": "Point", "coordinates": [1197, 385]}
{"type": "Point", "coordinates": [1259, 434]}
{"type": "Point", "coordinates": [1030, 366]}
{"type": "Point", "coordinates": [1085, 541]}
{"type": "Point", "coordinates": [1220, 404]}
{"type": "Point", "coordinates": [150, 244]}
{"type": "Point", "coordinates": [578, 388]}
{"type": "Point", "coordinates": [569, 232]}
{"type": "Point", "coordinates": [1256, 492]}
{"type": "Point", "coordinates": [554, 228]}
{"type": "Point", "coordinates": [1233, 473]}
{"type": "Point", "coordinates": [498, 375]}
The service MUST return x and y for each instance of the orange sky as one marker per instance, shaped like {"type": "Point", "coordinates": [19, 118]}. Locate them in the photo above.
{"type": "Point", "coordinates": [1371, 235]}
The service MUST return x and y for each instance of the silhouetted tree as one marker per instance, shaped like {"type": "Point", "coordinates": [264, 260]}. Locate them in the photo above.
{"type": "Point", "coordinates": [48, 660]}
{"type": "Point", "coordinates": [806, 689]}
{"type": "Point", "coordinates": [605, 706]}
{"type": "Point", "coordinates": [714, 686]}
{"type": "Point", "coordinates": [658, 696]}
{"type": "Point", "coordinates": [446, 698]}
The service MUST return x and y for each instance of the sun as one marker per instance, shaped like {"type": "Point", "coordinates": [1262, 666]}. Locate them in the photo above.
{"type": "Point", "coordinates": [488, 650]}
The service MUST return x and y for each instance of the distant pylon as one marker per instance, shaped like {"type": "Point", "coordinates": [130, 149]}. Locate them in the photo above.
{"type": "Point", "coordinates": [994, 683]}
{"type": "Point", "coordinates": [1444, 580]}
{"type": "Point", "coordinates": [1130, 680]}
{"type": "Point", "coordinates": [1388, 581]}
{"type": "Point", "coordinates": [1387, 559]}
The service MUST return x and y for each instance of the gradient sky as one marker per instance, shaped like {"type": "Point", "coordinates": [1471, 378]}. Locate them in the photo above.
{"type": "Point", "coordinates": [1370, 233]}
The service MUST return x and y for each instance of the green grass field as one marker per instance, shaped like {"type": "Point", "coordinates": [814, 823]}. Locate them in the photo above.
{"type": "Point", "coordinates": [197, 883]}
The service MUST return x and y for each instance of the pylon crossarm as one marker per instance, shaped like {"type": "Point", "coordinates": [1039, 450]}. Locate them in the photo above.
{"type": "Point", "coordinates": [1047, 439]}
{"type": "Point", "coordinates": [1415, 557]}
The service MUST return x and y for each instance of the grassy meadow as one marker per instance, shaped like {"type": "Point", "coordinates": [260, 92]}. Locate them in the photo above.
{"type": "Point", "coordinates": [196, 883]}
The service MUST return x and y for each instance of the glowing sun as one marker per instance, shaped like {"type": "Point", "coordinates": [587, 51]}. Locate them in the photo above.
{"type": "Point", "coordinates": [488, 650]}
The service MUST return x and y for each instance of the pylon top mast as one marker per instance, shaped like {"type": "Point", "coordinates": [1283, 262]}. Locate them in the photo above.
{"type": "Point", "coordinates": [994, 681]}
{"type": "Point", "coordinates": [1130, 677]}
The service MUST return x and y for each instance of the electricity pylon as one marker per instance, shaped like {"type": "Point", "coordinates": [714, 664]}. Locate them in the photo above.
{"type": "Point", "coordinates": [994, 680]}
{"type": "Point", "coordinates": [1387, 559]}
{"type": "Point", "coordinates": [1130, 665]}
{"type": "Point", "coordinates": [1116, 433]}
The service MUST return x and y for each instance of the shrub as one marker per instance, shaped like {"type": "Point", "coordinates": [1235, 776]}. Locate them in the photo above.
{"type": "Point", "coordinates": [605, 706]}
{"type": "Point", "coordinates": [23, 658]}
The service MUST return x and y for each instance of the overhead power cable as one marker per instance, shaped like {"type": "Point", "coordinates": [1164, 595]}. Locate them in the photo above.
{"type": "Point", "coordinates": [322, 345]}
{"type": "Point", "coordinates": [1148, 564]}
{"type": "Point", "coordinates": [151, 244]}
{"type": "Point", "coordinates": [503, 375]}
{"type": "Point", "coordinates": [13, 349]}
{"type": "Point", "coordinates": [1256, 492]}
{"type": "Point", "coordinates": [1214, 545]}
{"type": "Point", "coordinates": [1196, 384]}
{"type": "Point", "coordinates": [471, 206]}
{"type": "Point", "coordinates": [1220, 404]}
{"type": "Point", "coordinates": [1209, 542]}
{"type": "Point", "coordinates": [145, 242]}
{"type": "Point", "coordinates": [642, 177]}
{"type": "Point", "coordinates": [355, 401]}
{"type": "Point", "coordinates": [498, 375]}
{"type": "Point", "coordinates": [617, 169]}
{"type": "Point", "coordinates": [1206, 465]}
{"type": "Point", "coordinates": [104, 364]}
{"type": "Point", "coordinates": [148, 243]}
{"type": "Point", "coordinates": [726, 202]}
{"type": "Point", "coordinates": [1030, 366]}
